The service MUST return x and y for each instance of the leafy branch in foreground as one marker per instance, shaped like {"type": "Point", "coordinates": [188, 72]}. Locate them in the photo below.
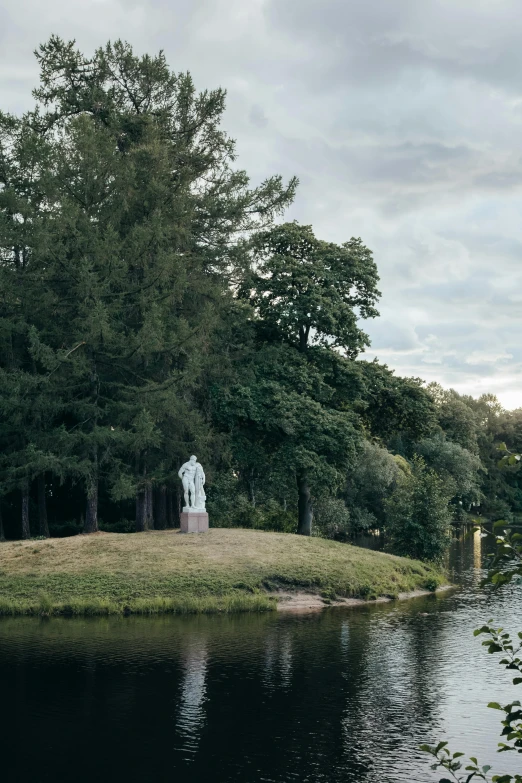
{"type": "Point", "coordinates": [503, 566]}
{"type": "Point", "coordinates": [452, 764]}
{"type": "Point", "coordinates": [506, 562]}
{"type": "Point", "coordinates": [500, 641]}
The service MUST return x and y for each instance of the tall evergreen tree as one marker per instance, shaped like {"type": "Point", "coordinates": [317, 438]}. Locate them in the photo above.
{"type": "Point", "coordinates": [142, 220]}
{"type": "Point", "coordinates": [27, 401]}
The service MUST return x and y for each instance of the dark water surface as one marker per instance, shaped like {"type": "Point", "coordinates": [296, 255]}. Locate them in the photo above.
{"type": "Point", "coordinates": [344, 696]}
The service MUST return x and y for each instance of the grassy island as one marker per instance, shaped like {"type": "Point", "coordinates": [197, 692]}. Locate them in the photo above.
{"type": "Point", "coordinates": [222, 570]}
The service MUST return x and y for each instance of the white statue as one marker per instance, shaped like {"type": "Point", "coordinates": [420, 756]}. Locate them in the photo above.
{"type": "Point", "coordinates": [193, 477]}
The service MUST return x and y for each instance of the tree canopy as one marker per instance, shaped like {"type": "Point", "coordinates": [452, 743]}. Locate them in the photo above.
{"type": "Point", "coordinates": [153, 304]}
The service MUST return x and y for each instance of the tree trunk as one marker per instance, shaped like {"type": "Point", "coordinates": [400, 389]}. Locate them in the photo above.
{"type": "Point", "coordinates": [90, 524]}
{"type": "Point", "coordinates": [140, 511]}
{"type": "Point", "coordinates": [149, 508]}
{"type": "Point", "coordinates": [26, 532]}
{"type": "Point", "coordinates": [42, 507]}
{"type": "Point", "coordinates": [161, 508]}
{"type": "Point", "coordinates": [178, 505]}
{"type": "Point", "coordinates": [170, 509]}
{"type": "Point", "coordinates": [252, 488]}
{"type": "Point", "coordinates": [304, 332]}
{"type": "Point", "coordinates": [305, 509]}
{"type": "Point", "coordinates": [91, 511]}
{"type": "Point", "coordinates": [173, 507]}
{"type": "Point", "coordinates": [2, 536]}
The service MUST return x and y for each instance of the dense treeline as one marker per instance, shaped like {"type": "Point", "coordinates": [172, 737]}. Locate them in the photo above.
{"type": "Point", "coordinates": [151, 307]}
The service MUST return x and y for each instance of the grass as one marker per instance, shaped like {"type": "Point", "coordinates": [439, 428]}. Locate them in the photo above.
{"type": "Point", "coordinates": [224, 570]}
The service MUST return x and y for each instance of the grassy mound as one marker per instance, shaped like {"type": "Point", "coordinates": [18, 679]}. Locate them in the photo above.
{"type": "Point", "coordinates": [166, 571]}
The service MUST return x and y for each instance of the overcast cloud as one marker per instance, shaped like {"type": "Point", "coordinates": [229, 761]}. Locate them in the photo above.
{"type": "Point", "coordinates": [402, 120]}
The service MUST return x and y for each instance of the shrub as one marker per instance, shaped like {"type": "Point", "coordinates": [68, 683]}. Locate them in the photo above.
{"type": "Point", "coordinates": [362, 520]}
{"type": "Point", "coordinates": [121, 526]}
{"type": "Point", "coordinates": [369, 482]}
{"type": "Point", "coordinates": [65, 529]}
{"type": "Point", "coordinates": [417, 515]}
{"type": "Point", "coordinates": [229, 506]}
{"type": "Point", "coordinates": [332, 519]}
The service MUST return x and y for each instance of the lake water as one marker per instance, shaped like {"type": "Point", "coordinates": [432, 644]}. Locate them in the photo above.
{"type": "Point", "coordinates": [342, 696]}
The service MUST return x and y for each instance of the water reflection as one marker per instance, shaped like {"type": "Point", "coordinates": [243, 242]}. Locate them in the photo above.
{"type": "Point", "coordinates": [278, 659]}
{"type": "Point", "coordinates": [343, 696]}
{"type": "Point", "coordinates": [190, 710]}
{"type": "Point", "coordinates": [477, 549]}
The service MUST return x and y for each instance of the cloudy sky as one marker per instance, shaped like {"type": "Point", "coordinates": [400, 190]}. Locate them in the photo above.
{"type": "Point", "coordinates": [402, 120]}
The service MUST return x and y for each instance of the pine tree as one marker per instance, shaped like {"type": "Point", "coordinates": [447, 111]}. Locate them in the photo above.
{"type": "Point", "coordinates": [141, 222]}
{"type": "Point", "coordinates": [27, 401]}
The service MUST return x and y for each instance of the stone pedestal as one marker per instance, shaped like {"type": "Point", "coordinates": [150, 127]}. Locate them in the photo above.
{"type": "Point", "coordinates": [193, 521]}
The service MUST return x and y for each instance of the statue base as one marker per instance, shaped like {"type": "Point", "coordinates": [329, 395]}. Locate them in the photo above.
{"type": "Point", "coordinates": [193, 521]}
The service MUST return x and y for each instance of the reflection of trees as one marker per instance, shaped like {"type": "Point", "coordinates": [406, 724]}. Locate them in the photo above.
{"type": "Point", "coordinates": [274, 703]}
{"type": "Point", "coordinates": [407, 676]}
{"type": "Point", "coordinates": [354, 638]}
{"type": "Point", "coordinates": [327, 663]}
{"type": "Point", "coordinates": [466, 556]}
{"type": "Point", "coordinates": [277, 669]}
{"type": "Point", "coordinates": [477, 549]}
{"type": "Point", "coordinates": [397, 687]}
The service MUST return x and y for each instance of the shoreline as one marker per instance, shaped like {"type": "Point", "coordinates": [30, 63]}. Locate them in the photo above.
{"type": "Point", "coordinates": [312, 602]}
{"type": "Point", "coordinates": [291, 602]}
